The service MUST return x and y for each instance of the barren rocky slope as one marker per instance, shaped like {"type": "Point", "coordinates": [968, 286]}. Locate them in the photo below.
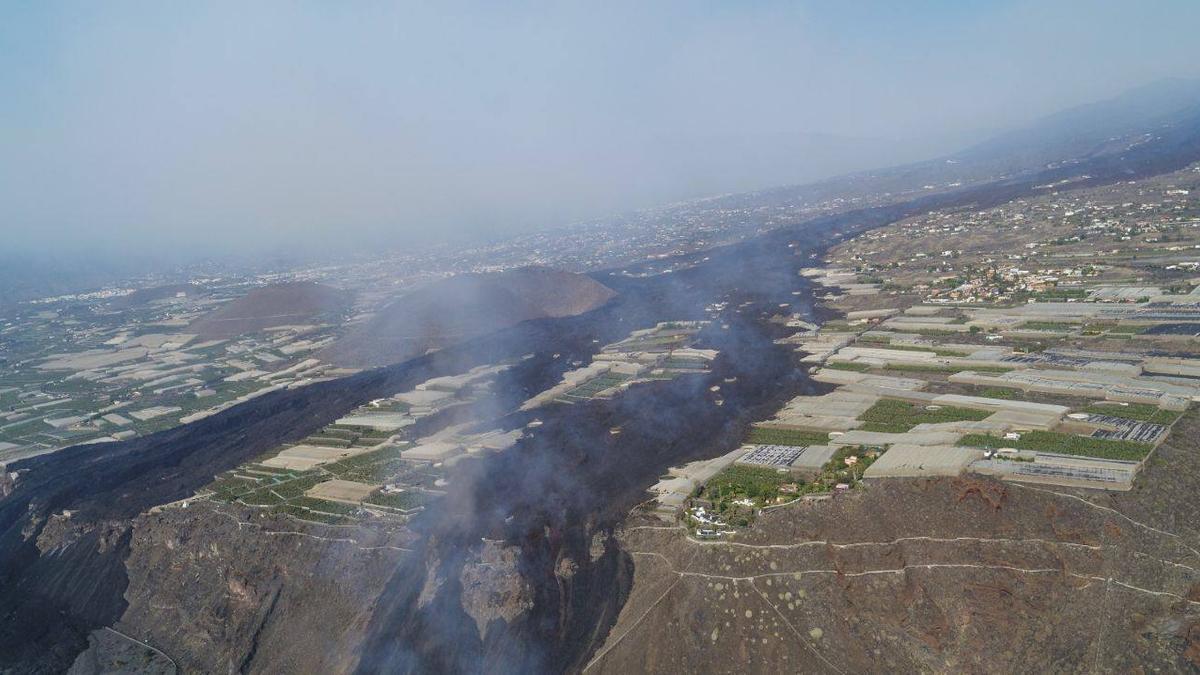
{"type": "Point", "coordinates": [946, 575]}
{"type": "Point", "coordinates": [226, 591]}
{"type": "Point", "coordinates": [276, 305]}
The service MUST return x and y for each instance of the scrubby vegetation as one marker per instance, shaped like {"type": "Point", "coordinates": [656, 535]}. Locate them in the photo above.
{"type": "Point", "coordinates": [739, 491]}
{"type": "Point", "coordinates": [838, 470]}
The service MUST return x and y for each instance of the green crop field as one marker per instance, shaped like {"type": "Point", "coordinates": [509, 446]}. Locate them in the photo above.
{"type": "Point", "coordinates": [328, 442]}
{"type": "Point", "coordinates": [892, 416]}
{"type": "Point", "coordinates": [772, 436]}
{"type": "Point", "coordinates": [261, 497]}
{"type": "Point", "coordinates": [1005, 393]}
{"type": "Point", "coordinates": [937, 368]}
{"type": "Point", "coordinates": [847, 365]}
{"type": "Point", "coordinates": [323, 505]}
{"type": "Point", "coordinates": [298, 486]}
{"type": "Point", "coordinates": [309, 515]}
{"type": "Point", "coordinates": [595, 386]}
{"type": "Point", "coordinates": [1063, 444]}
{"type": "Point", "coordinates": [1144, 412]}
{"type": "Point", "coordinates": [1047, 325]}
{"type": "Point", "coordinates": [910, 348]}
{"type": "Point", "coordinates": [685, 364]}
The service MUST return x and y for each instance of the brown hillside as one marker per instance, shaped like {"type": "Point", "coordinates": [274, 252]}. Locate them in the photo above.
{"type": "Point", "coordinates": [269, 306]}
{"type": "Point", "coordinates": [463, 307]}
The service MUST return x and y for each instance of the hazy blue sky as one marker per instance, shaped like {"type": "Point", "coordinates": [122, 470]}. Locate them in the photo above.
{"type": "Point", "coordinates": [146, 125]}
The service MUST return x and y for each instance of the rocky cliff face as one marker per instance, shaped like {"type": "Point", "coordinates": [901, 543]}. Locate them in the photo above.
{"type": "Point", "coordinates": [7, 483]}
{"type": "Point", "coordinates": [227, 591]}
{"type": "Point", "coordinates": [493, 588]}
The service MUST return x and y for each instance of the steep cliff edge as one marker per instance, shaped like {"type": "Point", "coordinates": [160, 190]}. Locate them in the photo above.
{"type": "Point", "coordinates": [229, 591]}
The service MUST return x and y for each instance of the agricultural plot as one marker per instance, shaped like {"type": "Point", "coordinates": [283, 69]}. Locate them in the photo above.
{"type": "Point", "coordinates": [685, 364]}
{"type": "Point", "coordinates": [772, 455]}
{"type": "Point", "coordinates": [775, 436]}
{"type": "Point", "coordinates": [738, 491]}
{"type": "Point", "coordinates": [848, 365]}
{"type": "Point", "coordinates": [893, 416]}
{"type": "Point", "coordinates": [347, 436]}
{"type": "Point", "coordinates": [376, 466]}
{"type": "Point", "coordinates": [343, 491]}
{"type": "Point", "coordinates": [1094, 474]}
{"type": "Point", "coordinates": [291, 492]}
{"type": "Point", "coordinates": [1063, 444]}
{"type": "Point", "coordinates": [593, 387]}
{"type": "Point", "coordinates": [940, 368]}
{"type": "Point", "coordinates": [405, 501]}
{"type": "Point", "coordinates": [654, 342]}
{"type": "Point", "coordinates": [940, 351]}
{"type": "Point", "coordinates": [1143, 412]}
{"type": "Point", "coordinates": [1048, 326]}
{"type": "Point", "coordinates": [1127, 430]}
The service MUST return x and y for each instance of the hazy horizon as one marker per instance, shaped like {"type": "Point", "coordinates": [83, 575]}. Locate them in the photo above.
{"type": "Point", "coordinates": [137, 129]}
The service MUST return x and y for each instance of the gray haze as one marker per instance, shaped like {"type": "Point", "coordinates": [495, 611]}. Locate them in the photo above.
{"type": "Point", "coordinates": [212, 127]}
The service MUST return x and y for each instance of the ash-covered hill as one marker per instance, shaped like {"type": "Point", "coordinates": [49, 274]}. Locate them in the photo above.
{"type": "Point", "coordinates": [463, 307]}
{"type": "Point", "coordinates": [275, 305]}
{"type": "Point", "coordinates": [143, 296]}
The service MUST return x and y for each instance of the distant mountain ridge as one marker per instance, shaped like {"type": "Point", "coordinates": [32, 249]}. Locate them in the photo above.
{"type": "Point", "coordinates": [463, 307]}
{"type": "Point", "coordinates": [1168, 109]}
{"type": "Point", "coordinates": [1093, 128]}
